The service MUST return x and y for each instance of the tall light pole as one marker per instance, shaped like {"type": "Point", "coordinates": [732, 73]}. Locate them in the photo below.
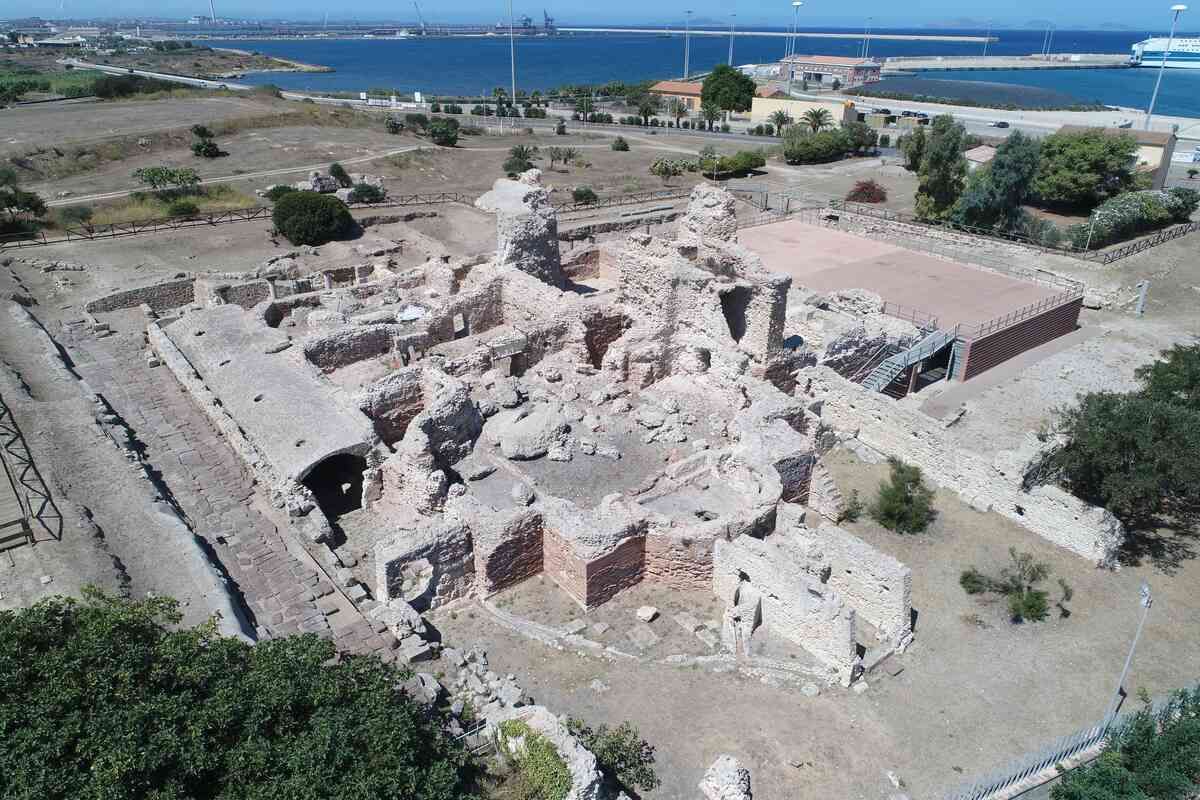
{"type": "Point", "coordinates": [732, 23]}
{"type": "Point", "coordinates": [795, 19]}
{"type": "Point", "coordinates": [866, 48]}
{"type": "Point", "coordinates": [1177, 9]}
{"type": "Point", "coordinates": [687, 44]}
{"type": "Point", "coordinates": [512, 57]}
{"type": "Point", "coordinates": [987, 37]}
{"type": "Point", "coordinates": [1145, 600]}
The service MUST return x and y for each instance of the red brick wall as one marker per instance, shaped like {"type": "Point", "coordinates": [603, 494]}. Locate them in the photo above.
{"type": "Point", "coordinates": [517, 558]}
{"type": "Point", "coordinates": [562, 567]}
{"type": "Point", "coordinates": [679, 563]}
{"type": "Point", "coordinates": [615, 571]}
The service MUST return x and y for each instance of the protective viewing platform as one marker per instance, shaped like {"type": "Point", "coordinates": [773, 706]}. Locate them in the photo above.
{"type": "Point", "coordinates": [898, 64]}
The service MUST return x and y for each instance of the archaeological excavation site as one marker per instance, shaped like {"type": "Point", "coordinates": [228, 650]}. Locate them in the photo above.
{"type": "Point", "coordinates": [553, 473]}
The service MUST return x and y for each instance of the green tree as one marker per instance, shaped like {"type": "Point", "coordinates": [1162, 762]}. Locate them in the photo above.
{"type": "Point", "coordinates": [1134, 453]}
{"type": "Point", "coordinates": [912, 146]}
{"type": "Point", "coordinates": [647, 107]}
{"type": "Point", "coordinates": [339, 174]}
{"type": "Point", "coordinates": [677, 109]}
{"type": "Point", "coordinates": [710, 113]}
{"type": "Point", "coordinates": [1080, 170]}
{"type": "Point", "coordinates": [666, 169]}
{"type": "Point", "coordinates": [728, 89]}
{"type": "Point", "coordinates": [943, 169]}
{"type": "Point", "coordinates": [862, 137]}
{"type": "Point", "coordinates": [111, 698]}
{"type": "Point", "coordinates": [709, 161]}
{"type": "Point", "coordinates": [311, 218]}
{"type": "Point", "coordinates": [995, 195]}
{"type": "Point", "coordinates": [817, 119]}
{"type": "Point", "coordinates": [443, 131]}
{"type": "Point", "coordinates": [624, 757]}
{"type": "Point", "coordinates": [584, 195]}
{"type": "Point", "coordinates": [367, 193]}
{"type": "Point", "coordinates": [620, 145]}
{"type": "Point", "coordinates": [520, 159]}
{"type": "Point", "coordinates": [904, 504]}
{"type": "Point", "coordinates": [780, 120]}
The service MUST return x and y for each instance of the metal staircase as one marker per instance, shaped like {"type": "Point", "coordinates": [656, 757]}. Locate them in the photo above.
{"type": "Point", "coordinates": [891, 367]}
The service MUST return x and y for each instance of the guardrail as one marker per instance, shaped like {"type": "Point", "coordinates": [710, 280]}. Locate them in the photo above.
{"type": "Point", "coordinates": [1145, 243]}
{"type": "Point", "coordinates": [1032, 766]}
{"type": "Point", "coordinates": [922, 319]}
{"type": "Point", "coordinates": [624, 200]}
{"type": "Point", "coordinates": [971, 332]}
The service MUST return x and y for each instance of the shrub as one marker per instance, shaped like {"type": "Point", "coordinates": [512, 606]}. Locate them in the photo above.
{"type": "Point", "coordinates": [443, 131]}
{"type": "Point", "coordinates": [1018, 583]}
{"type": "Point", "coordinates": [768, 130]}
{"type": "Point", "coordinates": [620, 145]}
{"type": "Point", "coordinates": [803, 147]}
{"type": "Point", "coordinates": [339, 174]}
{"type": "Point", "coordinates": [584, 194]}
{"type": "Point", "coordinates": [904, 504]}
{"type": "Point", "coordinates": [854, 507]}
{"type": "Point", "coordinates": [182, 208]}
{"type": "Point", "coordinates": [311, 218]}
{"type": "Point", "coordinates": [622, 754]}
{"type": "Point", "coordinates": [367, 193]}
{"type": "Point", "coordinates": [560, 129]}
{"type": "Point", "coordinates": [186, 712]}
{"type": "Point", "coordinates": [393, 125]}
{"type": "Point", "coordinates": [279, 190]}
{"type": "Point", "coordinates": [1133, 213]}
{"type": "Point", "coordinates": [538, 760]}
{"type": "Point", "coordinates": [207, 148]}
{"type": "Point", "coordinates": [975, 582]}
{"type": "Point", "coordinates": [885, 140]}
{"type": "Point", "coordinates": [867, 191]}
{"type": "Point", "coordinates": [725, 128]}
{"type": "Point", "coordinates": [75, 215]}
{"type": "Point", "coordinates": [1192, 173]}
{"type": "Point", "coordinates": [416, 122]}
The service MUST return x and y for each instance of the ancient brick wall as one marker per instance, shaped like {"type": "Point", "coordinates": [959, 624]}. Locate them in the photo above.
{"type": "Point", "coordinates": [508, 550]}
{"type": "Point", "coordinates": [561, 565]}
{"type": "Point", "coordinates": [614, 571]}
{"type": "Point", "coordinates": [679, 562]}
{"type": "Point", "coordinates": [160, 297]}
{"type": "Point", "coordinates": [247, 295]}
{"type": "Point", "coordinates": [448, 550]}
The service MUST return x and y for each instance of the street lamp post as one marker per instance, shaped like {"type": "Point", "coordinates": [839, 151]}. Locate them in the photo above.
{"type": "Point", "coordinates": [687, 44]}
{"type": "Point", "coordinates": [791, 69]}
{"type": "Point", "coordinates": [987, 37]}
{"type": "Point", "coordinates": [512, 57]}
{"type": "Point", "coordinates": [1177, 9]}
{"type": "Point", "coordinates": [1145, 599]}
{"type": "Point", "coordinates": [866, 48]}
{"type": "Point", "coordinates": [732, 23]}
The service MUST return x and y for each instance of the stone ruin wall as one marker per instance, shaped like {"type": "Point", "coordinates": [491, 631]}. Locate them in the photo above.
{"type": "Point", "coordinates": [678, 562]}
{"type": "Point", "coordinates": [877, 586]}
{"type": "Point", "coordinates": [794, 604]}
{"type": "Point", "coordinates": [392, 402]}
{"type": "Point", "coordinates": [562, 566]}
{"type": "Point", "coordinates": [159, 296]}
{"type": "Point", "coordinates": [621, 568]}
{"type": "Point", "coordinates": [350, 345]}
{"type": "Point", "coordinates": [895, 431]}
{"type": "Point", "coordinates": [448, 550]}
{"type": "Point", "coordinates": [247, 294]}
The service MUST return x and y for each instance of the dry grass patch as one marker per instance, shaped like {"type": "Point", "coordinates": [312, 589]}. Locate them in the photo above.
{"type": "Point", "coordinates": [143, 206]}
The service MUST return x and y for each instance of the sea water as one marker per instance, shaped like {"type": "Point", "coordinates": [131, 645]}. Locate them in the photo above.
{"type": "Point", "coordinates": [474, 65]}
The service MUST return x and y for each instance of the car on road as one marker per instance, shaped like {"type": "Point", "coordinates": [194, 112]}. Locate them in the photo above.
{"type": "Point", "coordinates": [998, 124]}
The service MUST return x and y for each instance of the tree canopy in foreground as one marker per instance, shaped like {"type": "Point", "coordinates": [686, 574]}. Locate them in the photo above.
{"type": "Point", "coordinates": [105, 698]}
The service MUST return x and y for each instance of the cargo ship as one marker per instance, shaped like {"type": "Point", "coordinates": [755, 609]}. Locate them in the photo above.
{"type": "Point", "coordinates": [1184, 53]}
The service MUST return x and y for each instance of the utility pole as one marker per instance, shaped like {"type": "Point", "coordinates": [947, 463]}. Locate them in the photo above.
{"type": "Point", "coordinates": [987, 37]}
{"type": "Point", "coordinates": [512, 55]}
{"type": "Point", "coordinates": [1145, 600]}
{"type": "Point", "coordinates": [1177, 9]}
{"type": "Point", "coordinates": [687, 45]}
{"type": "Point", "coordinates": [867, 39]}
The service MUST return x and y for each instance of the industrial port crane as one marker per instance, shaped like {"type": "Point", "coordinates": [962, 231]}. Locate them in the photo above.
{"type": "Point", "coordinates": [420, 17]}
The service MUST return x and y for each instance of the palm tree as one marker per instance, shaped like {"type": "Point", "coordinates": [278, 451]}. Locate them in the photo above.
{"type": "Point", "coordinates": [711, 113]}
{"type": "Point", "coordinates": [677, 108]}
{"type": "Point", "coordinates": [648, 108]}
{"type": "Point", "coordinates": [536, 97]}
{"type": "Point", "coordinates": [818, 119]}
{"type": "Point", "coordinates": [780, 120]}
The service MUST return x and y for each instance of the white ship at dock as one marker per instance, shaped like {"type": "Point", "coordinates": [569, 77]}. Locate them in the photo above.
{"type": "Point", "coordinates": [1184, 53]}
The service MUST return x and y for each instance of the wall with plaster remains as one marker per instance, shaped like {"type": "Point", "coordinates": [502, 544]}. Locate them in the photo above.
{"type": "Point", "coordinates": [877, 586]}
{"type": "Point", "coordinates": [159, 296]}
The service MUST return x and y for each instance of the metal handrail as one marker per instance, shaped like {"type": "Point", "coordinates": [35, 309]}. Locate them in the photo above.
{"type": "Point", "coordinates": [971, 332]}
{"type": "Point", "coordinates": [922, 319]}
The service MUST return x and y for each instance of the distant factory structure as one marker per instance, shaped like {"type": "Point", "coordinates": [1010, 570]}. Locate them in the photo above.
{"type": "Point", "coordinates": [824, 70]}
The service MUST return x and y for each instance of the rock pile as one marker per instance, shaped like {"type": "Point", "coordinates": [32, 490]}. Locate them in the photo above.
{"type": "Point", "coordinates": [726, 779]}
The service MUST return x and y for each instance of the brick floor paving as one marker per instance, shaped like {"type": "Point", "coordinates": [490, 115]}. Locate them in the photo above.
{"type": "Point", "coordinates": [217, 497]}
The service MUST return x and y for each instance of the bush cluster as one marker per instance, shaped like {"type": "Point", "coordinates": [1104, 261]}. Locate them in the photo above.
{"type": "Point", "coordinates": [311, 218]}
{"type": "Point", "coordinates": [805, 147]}
{"type": "Point", "coordinates": [867, 191]}
{"type": "Point", "coordinates": [1018, 583]}
{"type": "Point", "coordinates": [279, 190]}
{"type": "Point", "coordinates": [367, 193]}
{"type": "Point", "coordinates": [904, 504]}
{"type": "Point", "coordinates": [584, 194]}
{"type": "Point", "coordinates": [1134, 213]}
{"type": "Point", "coordinates": [620, 145]}
{"type": "Point", "coordinates": [113, 86]}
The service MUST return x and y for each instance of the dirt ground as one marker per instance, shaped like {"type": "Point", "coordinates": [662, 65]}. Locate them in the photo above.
{"type": "Point", "coordinates": [975, 690]}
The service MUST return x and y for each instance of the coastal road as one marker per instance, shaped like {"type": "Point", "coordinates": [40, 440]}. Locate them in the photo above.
{"type": "Point", "coordinates": [268, 173]}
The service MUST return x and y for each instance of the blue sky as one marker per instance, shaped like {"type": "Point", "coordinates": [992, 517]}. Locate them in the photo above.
{"type": "Point", "coordinates": [1015, 13]}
